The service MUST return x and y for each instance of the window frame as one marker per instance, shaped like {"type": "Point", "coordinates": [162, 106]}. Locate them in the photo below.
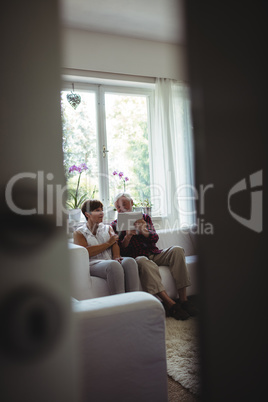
{"type": "Point", "coordinates": [100, 88]}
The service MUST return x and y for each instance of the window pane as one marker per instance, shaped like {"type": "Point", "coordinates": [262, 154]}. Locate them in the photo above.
{"type": "Point", "coordinates": [80, 141]}
{"type": "Point", "coordinates": [127, 141]}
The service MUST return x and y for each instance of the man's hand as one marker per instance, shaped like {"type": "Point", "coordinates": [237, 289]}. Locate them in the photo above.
{"type": "Point", "coordinates": [141, 227]}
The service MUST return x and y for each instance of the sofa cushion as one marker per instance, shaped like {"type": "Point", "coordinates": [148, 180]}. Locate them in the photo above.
{"type": "Point", "coordinates": [179, 237]}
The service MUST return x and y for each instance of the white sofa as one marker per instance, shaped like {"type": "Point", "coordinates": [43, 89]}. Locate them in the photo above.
{"type": "Point", "coordinates": [85, 286]}
{"type": "Point", "coordinates": [121, 348]}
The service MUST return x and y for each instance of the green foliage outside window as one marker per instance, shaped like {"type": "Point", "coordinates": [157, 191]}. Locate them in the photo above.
{"type": "Point", "coordinates": [127, 142]}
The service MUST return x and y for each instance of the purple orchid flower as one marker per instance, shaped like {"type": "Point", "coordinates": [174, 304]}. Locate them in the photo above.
{"type": "Point", "coordinates": [73, 168]}
{"type": "Point", "coordinates": [79, 168]}
{"type": "Point", "coordinates": [83, 166]}
{"type": "Point", "coordinates": [121, 176]}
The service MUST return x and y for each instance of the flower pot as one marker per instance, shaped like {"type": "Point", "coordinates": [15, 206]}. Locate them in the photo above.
{"type": "Point", "coordinates": [147, 210]}
{"type": "Point", "coordinates": [137, 209]}
{"type": "Point", "coordinates": [75, 215]}
{"type": "Point", "coordinates": [110, 214]}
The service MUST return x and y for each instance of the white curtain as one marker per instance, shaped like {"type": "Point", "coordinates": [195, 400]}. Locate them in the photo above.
{"type": "Point", "coordinates": [172, 154]}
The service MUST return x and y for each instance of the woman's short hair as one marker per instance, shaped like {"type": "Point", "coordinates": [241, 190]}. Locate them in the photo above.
{"type": "Point", "coordinates": [126, 195]}
{"type": "Point", "coordinates": [90, 205]}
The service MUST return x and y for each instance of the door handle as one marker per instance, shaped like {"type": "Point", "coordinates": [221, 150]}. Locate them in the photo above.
{"type": "Point", "coordinates": [104, 151]}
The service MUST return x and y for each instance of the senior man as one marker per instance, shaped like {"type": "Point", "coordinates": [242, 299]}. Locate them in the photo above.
{"type": "Point", "coordinates": [141, 245]}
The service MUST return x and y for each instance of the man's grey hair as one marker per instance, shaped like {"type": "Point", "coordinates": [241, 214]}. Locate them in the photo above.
{"type": "Point", "coordinates": [126, 195]}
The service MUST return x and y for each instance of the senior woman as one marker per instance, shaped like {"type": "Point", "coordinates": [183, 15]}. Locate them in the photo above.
{"type": "Point", "coordinates": [104, 253]}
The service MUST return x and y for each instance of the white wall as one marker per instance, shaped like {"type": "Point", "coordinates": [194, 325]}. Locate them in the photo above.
{"type": "Point", "coordinates": [93, 51]}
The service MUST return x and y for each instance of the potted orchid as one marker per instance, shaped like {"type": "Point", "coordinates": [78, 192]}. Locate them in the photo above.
{"type": "Point", "coordinates": [121, 177]}
{"type": "Point", "coordinates": [76, 199]}
{"type": "Point", "coordinates": [124, 179]}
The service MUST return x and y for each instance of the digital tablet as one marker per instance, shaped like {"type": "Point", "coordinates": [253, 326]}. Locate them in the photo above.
{"type": "Point", "coordinates": [126, 220]}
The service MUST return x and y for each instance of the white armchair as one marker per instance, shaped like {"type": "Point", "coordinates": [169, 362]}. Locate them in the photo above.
{"type": "Point", "coordinates": [84, 286]}
{"type": "Point", "coordinates": [121, 345]}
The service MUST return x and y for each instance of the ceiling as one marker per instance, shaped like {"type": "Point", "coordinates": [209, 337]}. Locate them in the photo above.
{"type": "Point", "coordinates": [158, 20]}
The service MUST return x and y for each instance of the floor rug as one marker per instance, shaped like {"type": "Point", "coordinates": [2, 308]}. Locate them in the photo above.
{"type": "Point", "coordinates": [182, 348]}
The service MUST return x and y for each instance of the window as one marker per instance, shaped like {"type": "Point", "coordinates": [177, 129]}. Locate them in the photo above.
{"type": "Point", "coordinates": [127, 141]}
{"type": "Point", "coordinates": [109, 131]}
{"type": "Point", "coordinates": [80, 141]}
{"type": "Point", "coordinates": [113, 131]}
